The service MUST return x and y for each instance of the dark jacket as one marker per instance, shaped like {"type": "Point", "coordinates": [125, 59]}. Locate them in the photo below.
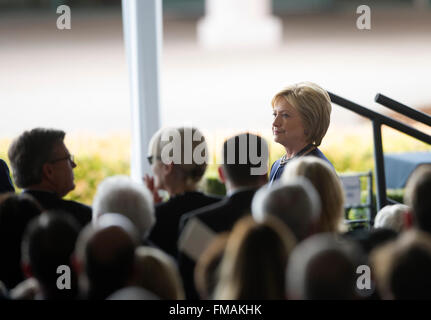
{"type": "Point", "coordinates": [49, 200]}
{"type": "Point", "coordinates": [168, 214]}
{"type": "Point", "coordinates": [5, 180]}
{"type": "Point", "coordinates": [219, 217]}
{"type": "Point", "coordinates": [278, 168]}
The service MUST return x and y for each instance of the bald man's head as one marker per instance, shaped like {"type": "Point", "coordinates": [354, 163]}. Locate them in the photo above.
{"type": "Point", "coordinates": [109, 244]}
{"type": "Point", "coordinates": [107, 254]}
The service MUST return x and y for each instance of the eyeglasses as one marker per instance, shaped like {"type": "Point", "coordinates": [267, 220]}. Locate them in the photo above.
{"type": "Point", "coordinates": [150, 159]}
{"type": "Point", "coordinates": [70, 157]}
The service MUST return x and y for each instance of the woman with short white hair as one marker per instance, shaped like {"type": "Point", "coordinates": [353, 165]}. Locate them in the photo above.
{"type": "Point", "coordinates": [120, 194]}
{"type": "Point", "coordinates": [178, 159]}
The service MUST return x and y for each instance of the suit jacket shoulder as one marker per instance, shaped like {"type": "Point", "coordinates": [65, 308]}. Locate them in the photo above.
{"type": "Point", "coordinates": [168, 214]}
{"type": "Point", "coordinates": [81, 212]}
{"type": "Point", "coordinates": [222, 216]}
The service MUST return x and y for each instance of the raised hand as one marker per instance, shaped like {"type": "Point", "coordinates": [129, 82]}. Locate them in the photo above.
{"type": "Point", "coordinates": [149, 182]}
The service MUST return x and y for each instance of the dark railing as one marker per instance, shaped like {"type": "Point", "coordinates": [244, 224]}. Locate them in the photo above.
{"type": "Point", "coordinates": [378, 120]}
{"type": "Point", "coordinates": [403, 109]}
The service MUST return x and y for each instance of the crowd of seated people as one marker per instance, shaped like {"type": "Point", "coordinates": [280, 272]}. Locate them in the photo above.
{"type": "Point", "coordinates": [281, 238]}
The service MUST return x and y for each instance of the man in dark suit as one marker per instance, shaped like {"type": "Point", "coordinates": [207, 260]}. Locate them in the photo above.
{"type": "Point", "coordinates": [43, 167]}
{"type": "Point", "coordinates": [5, 182]}
{"type": "Point", "coordinates": [244, 170]}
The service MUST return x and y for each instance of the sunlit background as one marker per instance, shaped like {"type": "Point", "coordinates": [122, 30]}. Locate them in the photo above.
{"type": "Point", "coordinates": [77, 79]}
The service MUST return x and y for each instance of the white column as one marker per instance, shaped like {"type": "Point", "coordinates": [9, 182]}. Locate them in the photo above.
{"type": "Point", "coordinates": [239, 23]}
{"type": "Point", "coordinates": [142, 27]}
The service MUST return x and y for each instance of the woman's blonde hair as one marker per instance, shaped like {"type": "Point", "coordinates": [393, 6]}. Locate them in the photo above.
{"type": "Point", "coordinates": [255, 259]}
{"type": "Point", "coordinates": [313, 105]}
{"type": "Point", "coordinates": [158, 273]}
{"type": "Point", "coordinates": [185, 147]}
{"type": "Point", "coordinates": [328, 186]}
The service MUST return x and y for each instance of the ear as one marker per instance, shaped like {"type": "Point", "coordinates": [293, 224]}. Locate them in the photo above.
{"type": "Point", "coordinates": [26, 270]}
{"type": "Point", "coordinates": [221, 174]}
{"type": "Point", "coordinates": [47, 170]}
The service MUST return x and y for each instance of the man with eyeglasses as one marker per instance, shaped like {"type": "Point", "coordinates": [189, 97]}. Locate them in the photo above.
{"type": "Point", "coordinates": [43, 167]}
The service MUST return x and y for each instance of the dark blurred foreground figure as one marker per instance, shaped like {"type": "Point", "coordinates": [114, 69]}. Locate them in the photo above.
{"type": "Point", "coordinates": [16, 211]}
{"type": "Point", "coordinates": [47, 247]}
{"type": "Point", "coordinates": [402, 267]}
{"type": "Point", "coordinates": [417, 197]}
{"type": "Point", "coordinates": [132, 293]}
{"type": "Point", "coordinates": [323, 267]}
{"type": "Point", "coordinates": [208, 266]}
{"type": "Point", "coordinates": [243, 171]}
{"type": "Point", "coordinates": [254, 262]}
{"type": "Point", "coordinates": [5, 181]}
{"type": "Point", "coordinates": [105, 255]}
{"type": "Point", "coordinates": [4, 294]}
{"type": "Point", "coordinates": [43, 167]}
{"type": "Point", "coordinates": [370, 239]}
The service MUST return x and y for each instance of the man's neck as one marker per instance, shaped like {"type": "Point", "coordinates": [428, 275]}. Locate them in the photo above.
{"type": "Point", "coordinates": [41, 187]}
{"type": "Point", "coordinates": [180, 189]}
{"type": "Point", "coordinates": [232, 188]}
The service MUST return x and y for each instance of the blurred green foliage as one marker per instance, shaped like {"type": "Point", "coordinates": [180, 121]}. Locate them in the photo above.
{"type": "Point", "coordinates": [91, 170]}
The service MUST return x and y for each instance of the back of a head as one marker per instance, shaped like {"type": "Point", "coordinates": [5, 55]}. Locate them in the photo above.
{"type": "Point", "coordinates": [327, 184]}
{"type": "Point", "coordinates": [49, 243]}
{"type": "Point", "coordinates": [245, 159]}
{"type": "Point", "coordinates": [296, 203]}
{"type": "Point", "coordinates": [417, 196]}
{"type": "Point", "coordinates": [374, 238]}
{"type": "Point", "coordinates": [16, 211]}
{"type": "Point", "coordinates": [391, 217]}
{"type": "Point", "coordinates": [122, 195]}
{"type": "Point", "coordinates": [254, 261]}
{"type": "Point", "coordinates": [29, 152]}
{"type": "Point", "coordinates": [106, 251]}
{"type": "Point", "coordinates": [402, 267]}
{"type": "Point", "coordinates": [185, 147]}
{"type": "Point", "coordinates": [323, 267]}
{"type": "Point", "coordinates": [157, 272]}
